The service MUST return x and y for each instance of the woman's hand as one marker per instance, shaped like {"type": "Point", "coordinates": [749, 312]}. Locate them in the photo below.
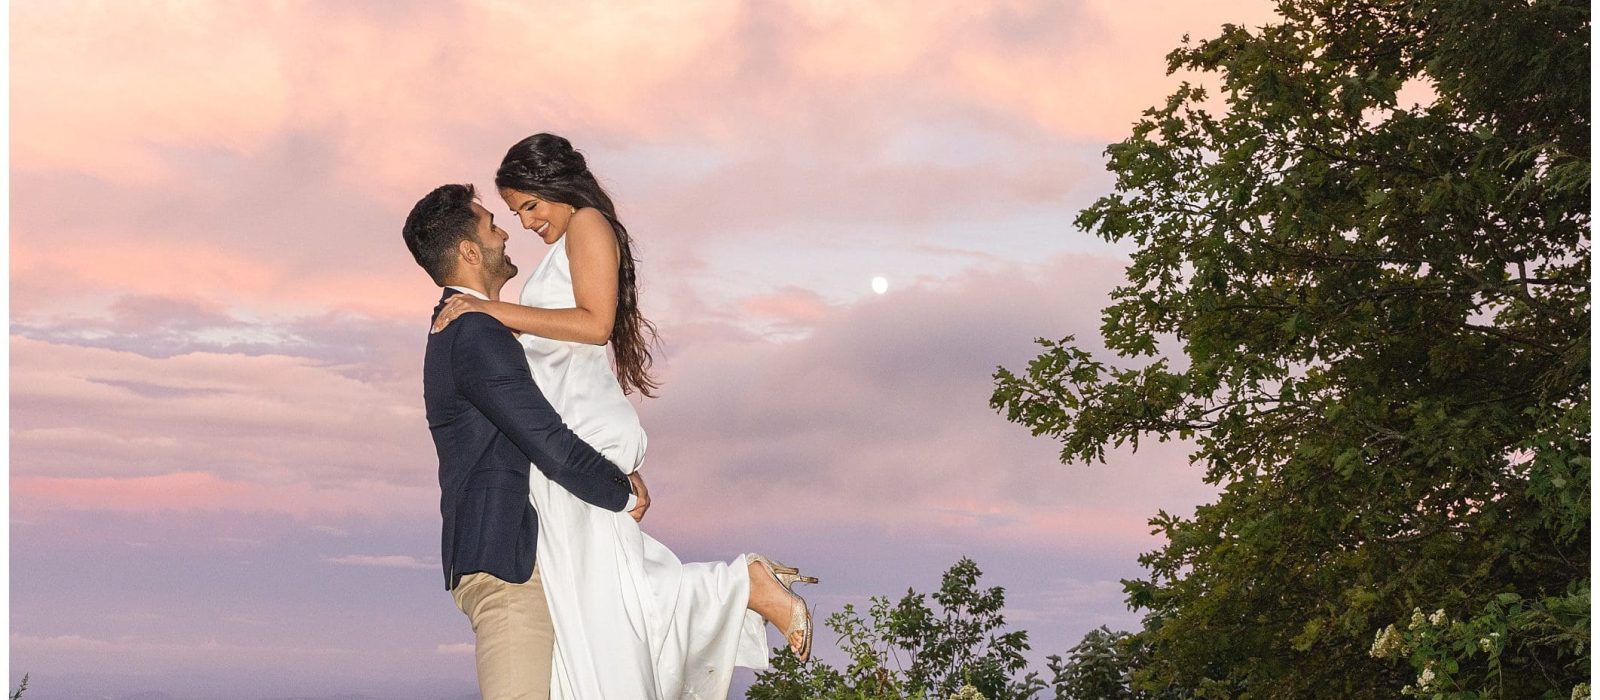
{"type": "Point", "coordinates": [457, 305]}
{"type": "Point", "coordinates": [644, 496]}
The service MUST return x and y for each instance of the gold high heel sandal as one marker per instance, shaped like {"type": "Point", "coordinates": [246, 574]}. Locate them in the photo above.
{"type": "Point", "coordinates": [799, 613]}
{"type": "Point", "coordinates": [786, 575]}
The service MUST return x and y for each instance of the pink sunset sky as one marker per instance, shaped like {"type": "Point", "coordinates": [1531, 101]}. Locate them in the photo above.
{"type": "Point", "coordinates": [222, 483]}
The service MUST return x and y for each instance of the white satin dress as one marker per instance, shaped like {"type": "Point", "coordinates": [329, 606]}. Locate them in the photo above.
{"type": "Point", "coordinates": [631, 621]}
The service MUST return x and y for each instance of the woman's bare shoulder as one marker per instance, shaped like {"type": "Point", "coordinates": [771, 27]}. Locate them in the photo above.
{"type": "Point", "coordinates": [589, 230]}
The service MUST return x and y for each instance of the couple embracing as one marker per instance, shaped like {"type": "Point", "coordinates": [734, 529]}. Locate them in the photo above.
{"type": "Point", "coordinates": [539, 451]}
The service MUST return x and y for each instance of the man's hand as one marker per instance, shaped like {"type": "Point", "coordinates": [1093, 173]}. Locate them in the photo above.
{"type": "Point", "coordinates": [643, 494]}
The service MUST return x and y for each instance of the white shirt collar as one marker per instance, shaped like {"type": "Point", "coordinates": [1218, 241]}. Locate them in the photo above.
{"type": "Point", "coordinates": [468, 290]}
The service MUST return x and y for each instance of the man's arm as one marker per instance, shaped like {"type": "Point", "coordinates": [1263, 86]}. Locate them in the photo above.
{"type": "Point", "coordinates": [491, 371]}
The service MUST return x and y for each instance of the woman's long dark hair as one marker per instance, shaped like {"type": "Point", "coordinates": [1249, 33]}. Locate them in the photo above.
{"type": "Point", "coordinates": [545, 165]}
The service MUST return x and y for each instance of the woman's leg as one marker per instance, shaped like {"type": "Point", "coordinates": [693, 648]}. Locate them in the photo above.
{"type": "Point", "coordinates": [774, 603]}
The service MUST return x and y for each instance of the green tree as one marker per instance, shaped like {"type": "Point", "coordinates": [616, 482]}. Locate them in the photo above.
{"type": "Point", "coordinates": [1383, 315]}
{"type": "Point", "coordinates": [1100, 667]}
{"type": "Point", "coordinates": [909, 650]}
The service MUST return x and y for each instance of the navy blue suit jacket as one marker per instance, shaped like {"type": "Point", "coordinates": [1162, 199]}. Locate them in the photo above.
{"type": "Point", "coordinates": [489, 422]}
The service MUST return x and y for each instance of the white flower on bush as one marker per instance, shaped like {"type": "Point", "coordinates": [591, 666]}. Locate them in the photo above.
{"type": "Point", "coordinates": [1580, 691]}
{"type": "Point", "coordinates": [968, 692]}
{"type": "Point", "coordinates": [1416, 619]}
{"type": "Point", "coordinates": [1437, 618]}
{"type": "Point", "coordinates": [1425, 681]}
{"type": "Point", "coordinates": [1387, 643]}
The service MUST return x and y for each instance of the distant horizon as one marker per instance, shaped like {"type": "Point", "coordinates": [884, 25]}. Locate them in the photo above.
{"type": "Point", "coordinates": [220, 471]}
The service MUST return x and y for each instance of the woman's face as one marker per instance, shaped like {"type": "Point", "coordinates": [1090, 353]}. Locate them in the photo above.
{"type": "Point", "coordinates": [546, 218]}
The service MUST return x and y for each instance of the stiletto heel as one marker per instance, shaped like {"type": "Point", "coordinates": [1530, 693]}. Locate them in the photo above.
{"type": "Point", "coordinates": [786, 575]}
{"type": "Point", "coordinates": [799, 613]}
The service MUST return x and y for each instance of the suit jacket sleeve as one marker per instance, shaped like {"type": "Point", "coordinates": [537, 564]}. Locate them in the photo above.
{"type": "Point", "coordinates": [492, 373]}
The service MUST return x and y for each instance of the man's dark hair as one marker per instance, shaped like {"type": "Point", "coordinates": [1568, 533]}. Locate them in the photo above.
{"type": "Point", "coordinates": [435, 226]}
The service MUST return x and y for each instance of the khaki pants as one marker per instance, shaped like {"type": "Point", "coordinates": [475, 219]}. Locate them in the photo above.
{"type": "Point", "coordinates": [515, 637]}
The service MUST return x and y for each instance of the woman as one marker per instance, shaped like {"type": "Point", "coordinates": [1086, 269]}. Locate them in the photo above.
{"type": "Point", "coordinates": [631, 621]}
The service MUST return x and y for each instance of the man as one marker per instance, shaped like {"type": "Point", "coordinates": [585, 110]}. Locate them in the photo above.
{"type": "Point", "coordinates": [489, 422]}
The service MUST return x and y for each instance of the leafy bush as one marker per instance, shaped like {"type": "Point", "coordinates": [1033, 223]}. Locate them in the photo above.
{"type": "Point", "coordinates": [907, 650]}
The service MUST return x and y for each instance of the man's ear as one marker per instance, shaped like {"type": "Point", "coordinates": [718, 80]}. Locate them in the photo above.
{"type": "Point", "coordinates": [470, 252]}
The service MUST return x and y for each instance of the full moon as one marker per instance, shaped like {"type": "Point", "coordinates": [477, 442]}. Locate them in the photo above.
{"type": "Point", "coordinates": [880, 284]}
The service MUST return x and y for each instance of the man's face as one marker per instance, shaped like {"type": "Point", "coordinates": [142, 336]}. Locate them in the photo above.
{"type": "Point", "coordinates": [497, 266]}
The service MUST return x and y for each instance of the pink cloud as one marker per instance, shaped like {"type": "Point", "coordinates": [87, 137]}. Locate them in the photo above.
{"type": "Point", "coordinates": [879, 419]}
{"type": "Point", "coordinates": [790, 306]}
{"type": "Point", "coordinates": [201, 491]}
{"type": "Point", "coordinates": [208, 275]}
{"type": "Point", "coordinates": [810, 197]}
{"type": "Point", "coordinates": [270, 171]}
{"type": "Point", "coordinates": [709, 72]}
{"type": "Point", "coordinates": [1093, 76]}
{"type": "Point", "coordinates": [272, 419]}
{"type": "Point", "coordinates": [98, 109]}
{"type": "Point", "coordinates": [153, 649]}
{"type": "Point", "coordinates": [382, 561]}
